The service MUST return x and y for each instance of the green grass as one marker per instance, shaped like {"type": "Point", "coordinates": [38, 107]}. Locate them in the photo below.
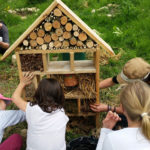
{"type": "Point", "coordinates": [128, 29]}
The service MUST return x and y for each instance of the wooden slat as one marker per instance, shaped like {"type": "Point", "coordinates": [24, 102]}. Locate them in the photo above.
{"type": "Point", "coordinates": [97, 120]}
{"type": "Point", "coordinates": [55, 51]}
{"type": "Point", "coordinates": [45, 62]}
{"type": "Point", "coordinates": [19, 64]}
{"type": "Point", "coordinates": [79, 105]}
{"type": "Point", "coordinates": [20, 71]}
{"type": "Point", "coordinates": [72, 61]}
{"type": "Point", "coordinates": [30, 29]}
{"type": "Point", "coordinates": [35, 82]}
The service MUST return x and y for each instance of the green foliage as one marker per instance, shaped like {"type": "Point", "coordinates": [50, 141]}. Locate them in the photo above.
{"type": "Point", "coordinates": [34, 2]}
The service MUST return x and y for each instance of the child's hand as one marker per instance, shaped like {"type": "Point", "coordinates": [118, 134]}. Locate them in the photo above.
{"type": "Point", "coordinates": [98, 107]}
{"type": "Point", "coordinates": [27, 78]}
{"type": "Point", "coordinates": [111, 120]}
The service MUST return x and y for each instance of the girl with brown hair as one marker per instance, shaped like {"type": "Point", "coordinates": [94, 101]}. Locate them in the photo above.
{"type": "Point", "coordinates": [45, 116]}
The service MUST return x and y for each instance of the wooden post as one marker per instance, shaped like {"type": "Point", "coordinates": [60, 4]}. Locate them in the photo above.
{"type": "Point", "coordinates": [97, 84]}
{"type": "Point", "coordinates": [20, 71]}
{"type": "Point", "coordinates": [72, 61]}
{"type": "Point", "coordinates": [44, 62]}
{"type": "Point", "coordinates": [36, 81]}
{"type": "Point", "coordinates": [79, 105]}
{"type": "Point", "coordinates": [97, 74]}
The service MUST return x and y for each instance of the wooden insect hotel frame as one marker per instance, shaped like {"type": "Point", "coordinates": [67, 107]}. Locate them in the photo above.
{"type": "Point", "coordinates": [59, 31]}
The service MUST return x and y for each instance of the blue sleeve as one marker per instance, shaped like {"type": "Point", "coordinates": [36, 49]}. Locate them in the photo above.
{"type": "Point", "coordinates": [9, 118]}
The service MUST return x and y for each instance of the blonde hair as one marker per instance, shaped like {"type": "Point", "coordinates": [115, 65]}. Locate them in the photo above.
{"type": "Point", "coordinates": [135, 99]}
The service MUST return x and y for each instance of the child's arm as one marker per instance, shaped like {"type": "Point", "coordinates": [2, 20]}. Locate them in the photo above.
{"type": "Point", "coordinates": [16, 97]}
{"type": "Point", "coordinates": [106, 83]}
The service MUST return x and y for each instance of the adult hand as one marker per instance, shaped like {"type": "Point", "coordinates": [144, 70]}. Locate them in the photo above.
{"type": "Point", "coordinates": [27, 78]}
{"type": "Point", "coordinates": [111, 120]}
{"type": "Point", "coordinates": [98, 107]}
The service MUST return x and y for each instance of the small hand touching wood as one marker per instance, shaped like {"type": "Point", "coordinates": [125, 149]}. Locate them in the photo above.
{"type": "Point", "coordinates": [27, 78]}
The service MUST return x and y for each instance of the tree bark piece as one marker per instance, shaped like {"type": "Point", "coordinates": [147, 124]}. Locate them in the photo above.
{"type": "Point", "coordinates": [66, 35]}
{"type": "Point", "coordinates": [82, 36]}
{"type": "Point", "coordinates": [47, 38]}
{"type": "Point", "coordinates": [33, 36]}
{"type": "Point", "coordinates": [56, 24]}
{"type": "Point", "coordinates": [54, 37]}
{"type": "Point", "coordinates": [63, 20]}
{"type": "Point", "coordinates": [44, 47]}
{"type": "Point", "coordinates": [89, 44]}
{"type": "Point", "coordinates": [68, 27]}
{"type": "Point", "coordinates": [65, 44]}
{"type": "Point", "coordinates": [57, 44]}
{"type": "Point", "coordinates": [39, 40]}
{"type": "Point", "coordinates": [79, 43]}
{"type": "Point", "coordinates": [73, 41]}
{"type": "Point", "coordinates": [75, 27]}
{"type": "Point", "coordinates": [57, 12]}
{"type": "Point", "coordinates": [25, 43]}
{"type": "Point", "coordinates": [41, 33]}
{"type": "Point", "coordinates": [59, 32]}
{"type": "Point", "coordinates": [33, 43]}
{"type": "Point", "coordinates": [47, 26]}
{"type": "Point", "coordinates": [76, 33]}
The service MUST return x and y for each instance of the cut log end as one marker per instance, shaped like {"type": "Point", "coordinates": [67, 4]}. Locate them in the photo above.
{"type": "Point", "coordinates": [48, 26]}
{"type": "Point", "coordinates": [66, 35]}
{"type": "Point", "coordinates": [57, 44]}
{"type": "Point", "coordinates": [89, 44]}
{"type": "Point", "coordinates": [54, 37]}
{"type": "Point", "coordinates": [82, 36]}
{"type": "Point", "coordinates": [57, 12]}
{"type": "Point", "coordinates": [73, 41]}
{"type": "Point", "coordinates": [56, 24]}
{"type": "Point", "coordinates": [47, 38]}
{"type": "Point", "coordinates": [63, 20]}
{"type": "Point", "coordinates": [33, 43]}
{"type": "Point", "coordinates": [25, 43]}
{"type": "Point", "coordinates": [39, 40]}
{"type": "Point", "coordinates": [33, 36]}
{"type": "Point", "coordinates": [68, 27]}
{"type": "Point", "coordinates": [41, 33]}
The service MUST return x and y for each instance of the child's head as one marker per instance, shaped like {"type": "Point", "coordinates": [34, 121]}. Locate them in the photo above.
{"type": "Point", "coordinates": [49, 95]}
{"type": "Point", "coordinates": [135, 99]}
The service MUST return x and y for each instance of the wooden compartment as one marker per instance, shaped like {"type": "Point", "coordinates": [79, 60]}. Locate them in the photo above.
{"type": "Point", "coordinates": [31, 62]}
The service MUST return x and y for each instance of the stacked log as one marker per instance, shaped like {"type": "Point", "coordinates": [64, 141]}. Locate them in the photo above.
{"type": "Point", "coordinates": [57, 31]}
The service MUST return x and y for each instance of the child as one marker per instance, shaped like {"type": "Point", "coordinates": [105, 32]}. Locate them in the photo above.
{"type": "Point", "coordinates": [135, 103]}
{"type": "Point", "coordinates": [46, 118]}
{"type": "Point", "coordinates": [9, 118]}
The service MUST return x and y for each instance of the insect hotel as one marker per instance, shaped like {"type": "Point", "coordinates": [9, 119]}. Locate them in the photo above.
{"type": "Point", "coordinates": [58, 31]}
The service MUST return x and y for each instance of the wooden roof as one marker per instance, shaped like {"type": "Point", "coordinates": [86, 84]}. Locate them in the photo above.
{"type": "Point", "coordinates": [72, 16]}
